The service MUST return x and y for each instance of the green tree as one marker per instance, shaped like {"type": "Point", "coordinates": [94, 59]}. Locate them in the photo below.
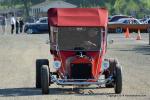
{"type": "Point", "coordinates": [23, 4]}
{"type": "Point", "coordinates": [26, 6]}
{"type": "Point", "coordinates": [139, 7]}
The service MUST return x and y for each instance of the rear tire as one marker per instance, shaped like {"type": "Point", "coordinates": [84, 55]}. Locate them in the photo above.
{"type": "Point", "coordinates": [45, 79]}
{"type": "Point", "coordinates": [118, 79]}
{"type": "Point", "coordinates": [39, 63]}
{"type": "Point", "coordinates": [112, 64]}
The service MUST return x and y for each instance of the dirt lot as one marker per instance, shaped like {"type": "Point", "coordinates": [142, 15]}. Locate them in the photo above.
{"type": "Point", "coordinates": [17, 69]}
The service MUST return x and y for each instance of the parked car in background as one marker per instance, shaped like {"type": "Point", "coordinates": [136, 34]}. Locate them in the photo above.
{"type": "Point", "coordinates": [123, 21]}
{"type": "Point", "coordinates": [117, 17]}
{"type": "Point", "coordinates": [147, 21]}
{"type": "Point", "coordinates": [40, 26]}
{"type": "Point", "coordinates": [30, 20]}
{"type": "Point", "coordinates": [126, 21]}
{"type": "Point", "coordinates": [142, 20]}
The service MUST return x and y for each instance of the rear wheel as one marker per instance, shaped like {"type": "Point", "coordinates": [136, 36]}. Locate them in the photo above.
{"type": "Point", "coordinates": [112, 65]}
{"type": "Point", "coordinates": [45, 79]}
{"type": "Point", "coordinates": [118, 79]}
{"type": "Point", "coordinates": [39, 63]}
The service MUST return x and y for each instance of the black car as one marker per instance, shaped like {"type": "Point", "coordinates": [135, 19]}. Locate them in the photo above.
{"type": "Point", "coordinates": [40, 26]}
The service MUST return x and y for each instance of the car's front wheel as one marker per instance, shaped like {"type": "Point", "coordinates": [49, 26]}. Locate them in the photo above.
{"type": "Point", "coordinates": [118, 79]}
{"type": "Point", "coordinates": [45, 79]}
{"type": "Point", "coordinates": [39, 63]}
{"type": "Point", "coordinates": [119, 30]}
{"type": "Point", "coordinates": [29, 31]}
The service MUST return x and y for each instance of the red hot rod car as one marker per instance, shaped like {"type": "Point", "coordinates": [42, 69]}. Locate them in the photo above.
{"type": "Point", "coordinates": [78, 41]}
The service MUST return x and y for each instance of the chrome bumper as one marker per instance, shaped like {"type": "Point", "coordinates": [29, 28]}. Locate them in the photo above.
{"type": "Point", "coordinates": [81, 81]}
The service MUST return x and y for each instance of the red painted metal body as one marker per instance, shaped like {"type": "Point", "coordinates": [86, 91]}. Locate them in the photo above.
{"type": "Point", "coordinates": [78, 17]}
{"type": "Point", "coordinates": [74, 17]}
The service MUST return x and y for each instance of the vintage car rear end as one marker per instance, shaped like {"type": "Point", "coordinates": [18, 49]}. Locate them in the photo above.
{"type": "Point", "coordinates": [78, 41]}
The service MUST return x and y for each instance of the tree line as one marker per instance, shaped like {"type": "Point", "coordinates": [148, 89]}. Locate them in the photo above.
{"type": "Point", "coordinates": [137, 8]}
{"type": "Point", "coordinates": [25, 4]}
